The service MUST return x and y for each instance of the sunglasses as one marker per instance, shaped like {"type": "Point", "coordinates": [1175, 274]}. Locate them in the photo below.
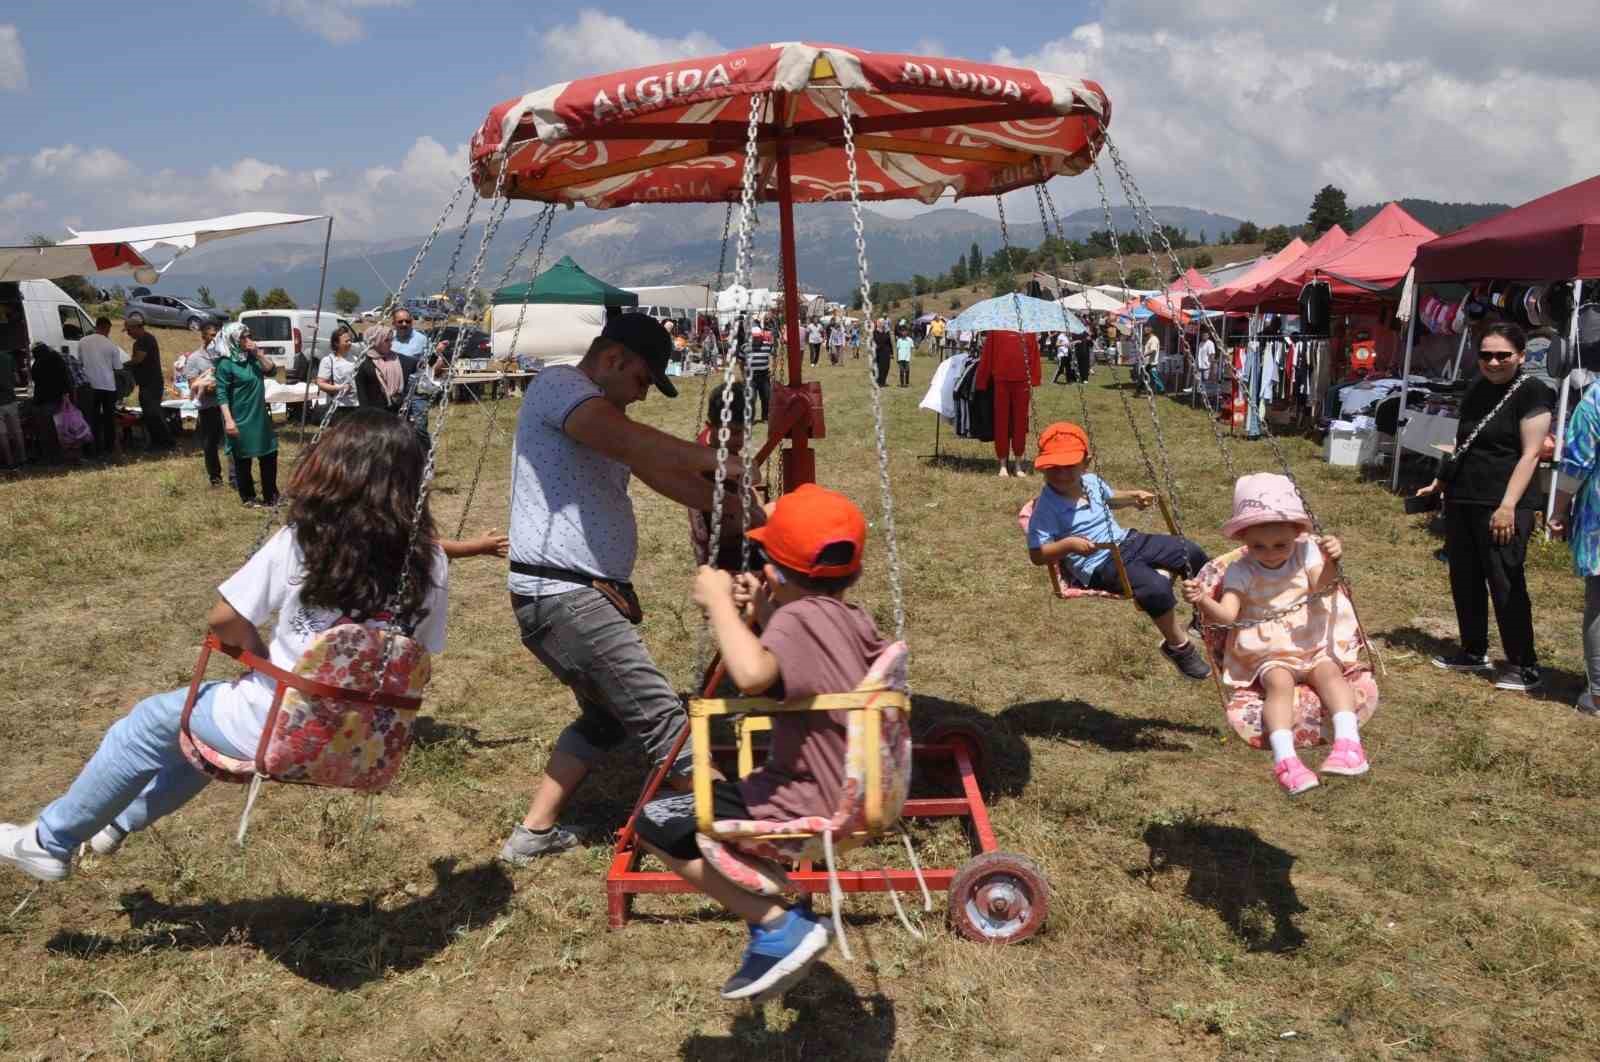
{"type": "Point", "coordinates": [402, 324]}
{"type": "Point", "coordinates": [1496, 355]}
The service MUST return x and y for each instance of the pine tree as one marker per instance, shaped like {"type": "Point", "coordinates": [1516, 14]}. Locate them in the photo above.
{"type": "Point", "coordinates": [1328, 209]}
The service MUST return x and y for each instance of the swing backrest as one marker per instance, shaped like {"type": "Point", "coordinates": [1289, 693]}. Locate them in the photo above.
{"type": "Point", "coordinates": [342, 718]}
{"type": "Point", "coordinates": [877, 766]}
{"type": "Point", "coordinates": [1060, 583]}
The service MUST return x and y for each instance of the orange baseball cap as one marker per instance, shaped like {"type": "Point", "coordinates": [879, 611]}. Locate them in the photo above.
{"type": "Point", "coordinates": [814, 531]}
{"type": "Point", "coordinates": [1060, 444]}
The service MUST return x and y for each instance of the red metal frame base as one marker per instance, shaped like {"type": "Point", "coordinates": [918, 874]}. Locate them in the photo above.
{"type": "Point", "coordinates": [624, 880]}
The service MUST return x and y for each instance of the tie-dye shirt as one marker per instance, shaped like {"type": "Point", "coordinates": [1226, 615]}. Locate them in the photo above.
{"type": "Point", "coordinates": [1581, 460]}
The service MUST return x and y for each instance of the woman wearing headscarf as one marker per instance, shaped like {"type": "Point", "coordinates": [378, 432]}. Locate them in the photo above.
{"type": "Point", "coordinates": [381, 377]}
{"type": "Point", "coordinates": [241, 371]}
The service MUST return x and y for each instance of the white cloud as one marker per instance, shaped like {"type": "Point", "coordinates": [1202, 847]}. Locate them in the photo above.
{"type": "Point", "coordinates": [1249, 107]}
{"type": "Point", "coordinates": [246, 175]}
{"type": "Point", "coordinates": [18, 202]}
{"type": "Point", "coordinates": [13, 63]}
{"type": "Point", "coordinates": [335, 21]}
{"type": "Point", "coordinates": [73, 163]}
{"type": "Point", "coordinates": [598, 42]}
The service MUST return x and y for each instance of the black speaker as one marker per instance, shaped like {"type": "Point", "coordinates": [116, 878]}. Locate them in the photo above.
{"type": "Point", "coordinates": [1316, 308]}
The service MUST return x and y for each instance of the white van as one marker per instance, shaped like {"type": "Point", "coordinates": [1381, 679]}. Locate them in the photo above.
{"type": "Point", "coordinates": [37, 311]}
{"type": "Point", "coordinates": [284, 333]}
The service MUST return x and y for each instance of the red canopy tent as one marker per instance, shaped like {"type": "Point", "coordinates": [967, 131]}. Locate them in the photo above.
{"type": "Point", "coordinates": [1234, 295]}
{"type": "Point", "coordinates": [1377, 256]}
{"type": "Point", "coordinates": [1272, 294]}
{"type": "Point", "coordinates": [1553, 238]}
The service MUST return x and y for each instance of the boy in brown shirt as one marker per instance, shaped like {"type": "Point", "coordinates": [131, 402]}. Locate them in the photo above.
{"type": "Point", "coordinates": [812, 642]}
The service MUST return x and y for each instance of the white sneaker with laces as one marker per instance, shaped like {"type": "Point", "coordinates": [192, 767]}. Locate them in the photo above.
{"type": "Point", "coordinates": [19, 846]}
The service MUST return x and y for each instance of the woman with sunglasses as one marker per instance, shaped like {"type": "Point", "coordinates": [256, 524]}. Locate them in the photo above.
{"type": "Point", "coordinates": [1490, 498]}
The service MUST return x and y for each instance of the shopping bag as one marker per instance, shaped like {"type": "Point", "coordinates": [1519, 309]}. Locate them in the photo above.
{"type": "Point", "coordinates": [71, 428]}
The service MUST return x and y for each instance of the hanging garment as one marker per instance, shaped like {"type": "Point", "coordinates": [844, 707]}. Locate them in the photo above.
{"type": "Point", "coordinates": [974, 408]}
{"type": "Point", "coordinates": [941, 396]}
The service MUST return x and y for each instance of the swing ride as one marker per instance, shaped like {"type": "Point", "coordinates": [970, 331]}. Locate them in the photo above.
{"type": "Point", "coordinates": [786, 123]}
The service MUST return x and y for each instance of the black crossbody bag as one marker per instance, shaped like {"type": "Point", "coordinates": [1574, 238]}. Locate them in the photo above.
{"type": "Point", "coordinates": [1450, 464]}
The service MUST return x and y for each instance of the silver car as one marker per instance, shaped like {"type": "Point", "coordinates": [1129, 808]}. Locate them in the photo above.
{"type": "Point", "coordinates": [173, 311]}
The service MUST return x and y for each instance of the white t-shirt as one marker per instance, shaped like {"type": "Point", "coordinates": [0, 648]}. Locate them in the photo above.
{"type": "Point", "coordinates": [101, 359]}
{"type": "Point", "coordinates": [270, 583]}
{"type": "Point", "coordinates": [342, 373]}
{"type": "Point", "coordinates": [814, 334]}
{"type": "Point", "coordinates": [1208, 350]}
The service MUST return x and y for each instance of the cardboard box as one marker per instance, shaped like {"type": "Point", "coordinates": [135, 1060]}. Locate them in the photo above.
{"type": "Point", "coordinates": [1350, 448]}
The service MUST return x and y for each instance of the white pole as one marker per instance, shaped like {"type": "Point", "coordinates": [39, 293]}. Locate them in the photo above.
{"type": "Point", "coordinates": [1561, 408]}
{"type": "Point", "coordinates": [316, 327]}
{"type": "Point", "coordinates": [1461, 348]}
{"type": "Point", "coordinates": [1405, 375]}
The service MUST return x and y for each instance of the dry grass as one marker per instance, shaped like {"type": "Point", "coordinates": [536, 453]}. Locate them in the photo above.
{"type": "Point", "coordinates": [1443, 906]}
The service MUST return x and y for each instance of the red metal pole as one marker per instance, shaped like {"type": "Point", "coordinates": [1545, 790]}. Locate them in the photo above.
{"type": "Point", "coordinates": [799, 462]}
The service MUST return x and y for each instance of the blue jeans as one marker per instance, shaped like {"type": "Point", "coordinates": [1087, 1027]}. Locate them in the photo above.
{"type": "Point", "coordinates": [137, 775]}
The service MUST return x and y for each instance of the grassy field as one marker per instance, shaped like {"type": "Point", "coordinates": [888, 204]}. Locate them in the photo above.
{"type": "Point", "coordinates": [1444, 906]}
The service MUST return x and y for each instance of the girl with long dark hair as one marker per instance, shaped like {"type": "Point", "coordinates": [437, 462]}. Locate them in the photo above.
{"type": "Point", "coordinates": [348, 536]}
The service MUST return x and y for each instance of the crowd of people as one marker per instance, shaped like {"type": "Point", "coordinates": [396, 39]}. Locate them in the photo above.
{"type": "Point", "coordinates": [772, 581]}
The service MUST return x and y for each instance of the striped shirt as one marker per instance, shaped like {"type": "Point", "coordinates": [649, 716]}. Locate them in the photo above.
{"type": "Point", "coordinates": [759, 357]}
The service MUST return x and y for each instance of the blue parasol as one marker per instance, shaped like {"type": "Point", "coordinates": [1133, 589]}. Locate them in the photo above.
{"type": "Point", "coordinates": [999, 314]}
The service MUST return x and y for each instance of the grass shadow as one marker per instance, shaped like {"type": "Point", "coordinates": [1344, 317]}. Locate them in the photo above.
{"type": "Point", "coordinates": [429, 731]}
{"type": "Point", "coordinates": [1560, 685]}
{"type": "Point", "coordinates": [950, 462]}
{"type": "Point", "coordinates": [341, 946]}
{"type": "Point", "coordinates": [1081, 721]}
{"type": "Point", "coordinates": [823, 1017]}
{"type": "Point", "coordinates": [1007, 762]}
{"type": "Point", "coordinates": [1235, 873]}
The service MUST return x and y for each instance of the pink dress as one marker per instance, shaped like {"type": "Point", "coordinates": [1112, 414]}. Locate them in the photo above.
{"type": "Point", "coordinates": [1299, 641]}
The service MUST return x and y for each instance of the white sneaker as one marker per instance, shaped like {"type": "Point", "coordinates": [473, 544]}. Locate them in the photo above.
{"type": "Point", "coordinates": [19, 846]}
{"type": "Point", "coordinates": [108, 841]}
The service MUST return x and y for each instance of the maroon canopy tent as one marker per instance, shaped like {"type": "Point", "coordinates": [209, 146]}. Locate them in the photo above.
{"type": "Point", "coordinates": [1553, 238]}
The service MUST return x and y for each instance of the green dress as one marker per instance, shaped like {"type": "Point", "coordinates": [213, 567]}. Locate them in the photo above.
{"type": "Point", "coordinates": [243, 388]}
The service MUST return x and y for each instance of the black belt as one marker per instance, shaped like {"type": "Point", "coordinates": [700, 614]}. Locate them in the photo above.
{"type": "Point", "coordinates": [563, 575]}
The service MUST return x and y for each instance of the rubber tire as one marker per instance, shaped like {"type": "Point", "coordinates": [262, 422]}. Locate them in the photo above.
{"type": "Point", "coordinates": [1017, 873]}
{"type": "Point", "coordinates": [194, 324]}
{"type": "Point", "coordinates": [977, 746]}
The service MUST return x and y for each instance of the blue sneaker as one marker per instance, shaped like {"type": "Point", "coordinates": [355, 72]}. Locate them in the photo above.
{"type": "Point", "coordinates": [779, 957]}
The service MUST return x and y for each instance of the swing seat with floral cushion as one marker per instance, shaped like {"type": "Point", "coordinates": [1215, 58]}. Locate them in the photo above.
{"type": "Point", "coordinates": [1061, 583]}
{"type": "Point", "coordinates": [1313, 725]}
{"type": "Point", "coordinates": [751, 853]}
{"type": "Point", "coordinates": [342, 718]}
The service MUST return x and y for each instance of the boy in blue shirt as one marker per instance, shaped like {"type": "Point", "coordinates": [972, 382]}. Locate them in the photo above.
{"type": "Point", "coordinates": [1072, 524]}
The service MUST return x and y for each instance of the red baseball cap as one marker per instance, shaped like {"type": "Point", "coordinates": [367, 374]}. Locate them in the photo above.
{"type": "Point", "coordinates": [1061, 444]}
{"type": "Point", "coordinates": [814, 531]}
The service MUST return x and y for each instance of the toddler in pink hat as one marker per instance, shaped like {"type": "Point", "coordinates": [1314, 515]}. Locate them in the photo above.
{"type": "Point", "coordinates": [1276, 591]}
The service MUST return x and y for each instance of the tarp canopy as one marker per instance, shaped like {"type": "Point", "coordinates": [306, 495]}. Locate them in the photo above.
{"type": "Point", "coordinates": [1377, 256]}
{"type": "Point", "coordinates": [566, 283]}
{"type": "Point", "coordinates": [559, 333]}
{"type": "Point", "coordinates": [1000, 314]}
{"type": "Point", "coordinates": [126, 250]}
{"type": "Point", "coordinates": [1235, 295]}
{"type": "Point", "coordinates": [1192, 280]}
{"type": "Point", "coordinates": [676, 132]}
{"type": "Point", "coordinates": [1555, 237]}
{"type": "Point", "coordinates": [677, 296]}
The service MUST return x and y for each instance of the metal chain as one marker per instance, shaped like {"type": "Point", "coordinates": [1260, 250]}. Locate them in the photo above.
{"type": "Point", "coordinates": [541, 224]}
{"type": "Point", "coordinates": [896, 587]}
{"type": "Point", "coordinates": [1145, 220]}
{"type": "Point", "coordinates": [1277, 613]}
{"type": "Point", "coordinates": [716, 325]}
{"type": "Point", "coordinates": [1022, 335]}
{"type": "Point", "coordinates": [1127, 405]}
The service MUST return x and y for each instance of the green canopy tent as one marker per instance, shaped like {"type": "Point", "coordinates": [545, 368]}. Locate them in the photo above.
{"type": "Point", "coordinates": [555, 317]}
{"type": "Point", "coordinates": [566, 283]}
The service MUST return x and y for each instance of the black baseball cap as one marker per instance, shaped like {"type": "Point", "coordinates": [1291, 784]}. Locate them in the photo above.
{"type": "Point", "coordinates": [644, 336]}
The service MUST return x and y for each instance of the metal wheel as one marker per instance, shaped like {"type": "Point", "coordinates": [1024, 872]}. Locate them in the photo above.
{"type": "Point", "coordinates": [193, 323]}
{"type": "Point", "coordinates": [977, 743]}
{"type": "Point", "coordinates": [999, 898]}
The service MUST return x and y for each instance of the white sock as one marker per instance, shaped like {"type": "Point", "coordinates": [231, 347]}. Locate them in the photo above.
{"type": "Point", "coordinates": [1344, 727]}
{"type": "Point", "coordinates": [1282, 746]}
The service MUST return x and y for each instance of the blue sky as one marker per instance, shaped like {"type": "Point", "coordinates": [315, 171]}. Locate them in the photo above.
{"type": "Point", "coordinates": [129, 113]}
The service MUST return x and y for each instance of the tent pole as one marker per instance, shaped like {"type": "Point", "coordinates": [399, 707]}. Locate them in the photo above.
{"type": "Point", "coordinates": [1405, 375]}
{"type": "Point", "coordinates": [1461, 348]}
{"type": "Point", "coordinates": [1561, 409]}
{"type": "Point", "coordinates": [799, 461]}
{"type": "Point", "coordinates": [316, 327]}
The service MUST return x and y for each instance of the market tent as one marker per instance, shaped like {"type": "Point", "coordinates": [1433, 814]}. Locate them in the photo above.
{"type": "Point", "coordinates": [1286, 285]}
{"type": "Point", "coordinates": [554, 318]}
{"type": "Point", "coordinates": [1377, 256]}
{"type": "Point", "coordinates": [1192, 280]}
{"type": "Point", "coordinates": [1237, 295]}
{"type": "Point", "coordinates": [1553, 238]}
{"type": "Point", "coordinates": [126, 250]}
{"type": "Point", "coordinates": [1092, 300]}
{"type": "Point", "coordinates": [565, 283]}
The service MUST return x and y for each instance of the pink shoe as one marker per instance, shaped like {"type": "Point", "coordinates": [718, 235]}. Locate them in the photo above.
{"type": "Point", "coordinates": [1347, 758]}
{"type": "Point", "coordinates": [1294, 776]}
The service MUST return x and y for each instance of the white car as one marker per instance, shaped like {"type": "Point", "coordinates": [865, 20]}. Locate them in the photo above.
{"type": "Point", "coordinates": [283, 334]}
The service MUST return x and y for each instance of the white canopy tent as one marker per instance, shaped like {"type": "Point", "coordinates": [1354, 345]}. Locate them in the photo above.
{"type": "Point", "coordinates": [1092, 300]}
{"type": "Point", "coordinates": [558, 333]}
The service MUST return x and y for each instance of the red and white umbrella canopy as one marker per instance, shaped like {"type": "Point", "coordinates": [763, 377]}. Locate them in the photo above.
{"type": "Point", "coordinates": [677, 132]}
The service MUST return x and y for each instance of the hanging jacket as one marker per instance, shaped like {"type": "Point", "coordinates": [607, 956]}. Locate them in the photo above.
{"type": "Point", "coordinates": [974, 406]}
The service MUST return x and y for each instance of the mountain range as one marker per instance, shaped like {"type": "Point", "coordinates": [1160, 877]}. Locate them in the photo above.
{"type": "Point", "coordinates": [641, 245]}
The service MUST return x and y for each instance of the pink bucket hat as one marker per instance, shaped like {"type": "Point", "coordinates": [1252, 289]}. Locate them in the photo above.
{"type": "Point", "coordinates": [1265, 498]}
